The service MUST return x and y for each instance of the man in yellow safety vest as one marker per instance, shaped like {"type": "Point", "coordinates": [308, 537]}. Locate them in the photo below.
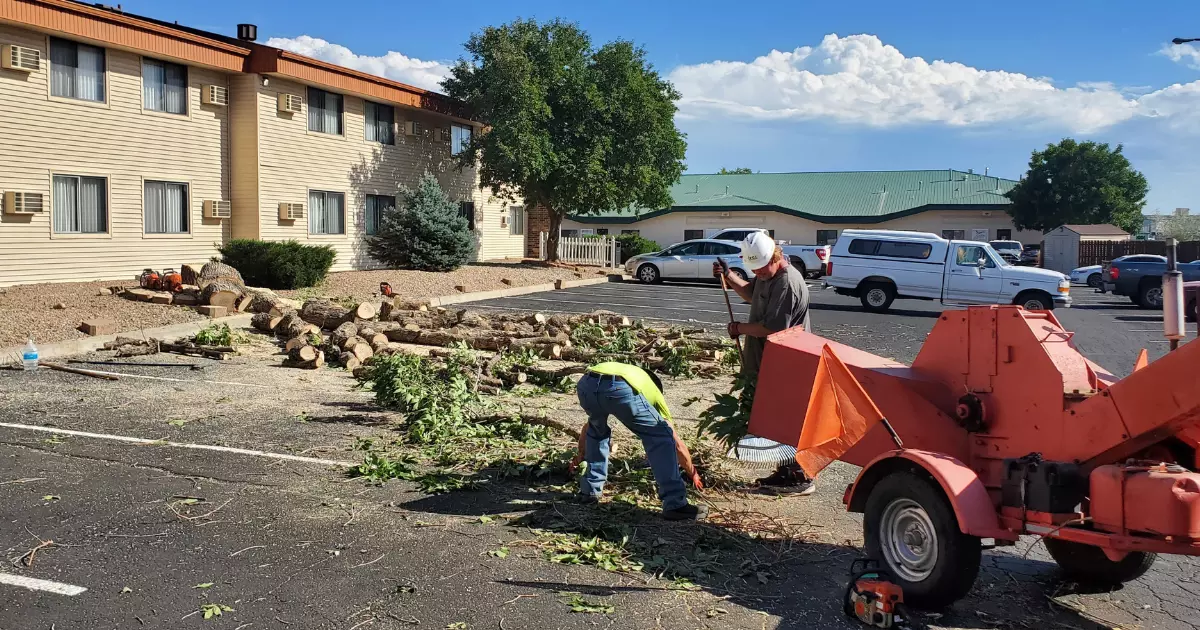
{"type": "Point", "coordinates": [635, 397]}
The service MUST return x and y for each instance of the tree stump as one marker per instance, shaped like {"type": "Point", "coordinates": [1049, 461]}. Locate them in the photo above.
{"type": "Point", "coordinates": [217, 272]}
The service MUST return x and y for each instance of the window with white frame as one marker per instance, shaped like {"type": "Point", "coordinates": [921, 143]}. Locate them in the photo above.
{"type": "Point", "coordinates": [326, 212]}
{"type": "Point", "coordinates": [80, 205]}
{"type": "Point", "coordinates": [166, 207]}
{"type": "Point", "coordinates": [164, 86]}
{"type": "Point", "coordinates": [376, 207]}
{"type": "Point", "coordinates": [324, 111]}
{"type": "Point", "coordinates": [379, 122]}
{"type": "Point", "coordinates": [76, 70]}
{"type": "Point", "coordinates": [460, 137]}
{"type": "Point", "coordinates": [516, 220]}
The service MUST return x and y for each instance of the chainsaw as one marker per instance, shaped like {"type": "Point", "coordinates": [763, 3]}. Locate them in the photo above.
{"type": "Point", "coordinates": [385, 289]}
{"type": "Point", "coordinates": [149, 279]}
{"type": "Point", "coordinates": [168, 280]}
{"type": "Point", "coordinates": [873, 598]}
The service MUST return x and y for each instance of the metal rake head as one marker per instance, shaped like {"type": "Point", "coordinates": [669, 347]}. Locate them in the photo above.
{"type": "Point", "coordinates": [756, 452]}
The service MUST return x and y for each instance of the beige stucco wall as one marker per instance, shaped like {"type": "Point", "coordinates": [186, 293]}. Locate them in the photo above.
{"type": "Point", "coordinates": [669, 228]}
{"type": "Point", "coordinates": [293, 160]}
{"type": "Point", "coordinates": [41, 135]}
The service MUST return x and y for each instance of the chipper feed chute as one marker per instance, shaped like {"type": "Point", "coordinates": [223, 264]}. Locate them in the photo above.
{"type": "Point", "coordinates": [1008, 430]}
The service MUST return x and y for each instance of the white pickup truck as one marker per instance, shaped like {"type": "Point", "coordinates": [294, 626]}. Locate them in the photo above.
{"type": "Point", "coordinates": [878, 266]}
{"type": "Point", "coordinates": [811, 260]}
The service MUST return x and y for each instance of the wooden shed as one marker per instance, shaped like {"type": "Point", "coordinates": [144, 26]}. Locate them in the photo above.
{"type": "Point", "coordinates": [1060, 249]}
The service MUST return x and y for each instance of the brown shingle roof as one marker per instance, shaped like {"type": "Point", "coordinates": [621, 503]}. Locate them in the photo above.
{"type": "Point", "coordinates": [1100, 229]}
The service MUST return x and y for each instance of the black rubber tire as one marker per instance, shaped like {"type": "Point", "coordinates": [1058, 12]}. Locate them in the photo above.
{"type": "Point", "coordinates": [1088, 565]}
{"type": "Point", "coordinates": [889, 296]}
{"type": "Point", "coordinates": [1043, 300]}
{"type": "Point", "coordinates": [798, 264]}
{"type": "Point", "coordinates": [1147, 291]}
{"type": "Point", "coordinates": [958, 554]}
{"type": "Point", "coordinates": [1094, 281]}
{"type": "Point", "coordinates": [740, 274]}
{"type": "Point", "coordinates": [1189, 311]}
{"type": "Point", "coordinates": [651, 274]}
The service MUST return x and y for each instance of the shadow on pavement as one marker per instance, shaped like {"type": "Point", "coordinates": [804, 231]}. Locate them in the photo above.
{"type": "Point", "coordinates": [778, 569]}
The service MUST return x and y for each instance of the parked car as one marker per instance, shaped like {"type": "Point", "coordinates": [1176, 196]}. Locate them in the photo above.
{"type": "Point", "coordinates": [810, 260]}
{"type": "Point", "coordinates": [1031, 254]}
{"type": "Point", "coordinates": [1090, 275]}
{"type": "Point", "coordinates": [1191, 297]}
{"type": "Point", "coordinates": [1139, 277]}
{"type": "Point", "coordinates": [879, 266]}
{"type": "Point", "coordinates": [689, 260]}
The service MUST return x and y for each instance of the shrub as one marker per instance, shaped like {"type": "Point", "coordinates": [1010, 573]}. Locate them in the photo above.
{"type": "Point", "coordinates": [426, 232]}
{"type": "Point", "coordinates": [278, 265]}
{"type": "Point", "coordinates": [634, 244]}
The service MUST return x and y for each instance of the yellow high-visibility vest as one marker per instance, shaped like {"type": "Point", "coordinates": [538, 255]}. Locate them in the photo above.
{"type": "Point", "coordinates": [639, 380]}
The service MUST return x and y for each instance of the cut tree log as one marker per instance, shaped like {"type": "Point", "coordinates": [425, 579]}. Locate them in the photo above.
{"type": "Point", "coordinates": [537, 319]}
{"type": "Point", "coordinates": [317, 361]}
{"type": "Point", "coordinates": [296, 342]}
{"type": "Point", "coordinates": [408, 334]}
{"type": "Point", "coordinates": [186, 299]}
{"type": "Point", "coordinates": [548, 348]}
{"type": "Point", "coordinates": [219, 353]}
{"type": "Point", "coordinates": [221, 294]}
{"type": "Point", "coordinates": [190, 274]}
{"type": "Point", "coordinates": [380, 347]}
{"type": "Point", "coordinates": [324, 313]}
{"type": "Point", "coordinates": [366, 330]}
{"type": "Point", "coordinates": [448, 337]}
{"type": "Point", "coordinates": [137, 350]}
{"type": "Point", "coordinates": [399, 304]}
{"type": "Point", "coordinates": [291, 326]}
{"type": "Point", "coordinates": [349, 361]}
{"type": "Point", "coordinates": [385, 310]}
{"type": "Point", "coordinates": [303, 354]}
{"type": "Point", "coordinates": [265, 322]}
{"type": "Point", "coordinates": [365, 311]}
{"type": "Point", "coordinates": [217, 272]}
{"type": "Point", "coordinates": [342, 333]}
{"type": "Point", "coordinates": [362, 351]}
{"type": "Point", "coordinates": [350, 343]}
{"type": "Point", "coordinates": [243, 303]}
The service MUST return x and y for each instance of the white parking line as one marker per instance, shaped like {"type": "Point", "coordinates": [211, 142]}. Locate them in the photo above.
{"type": "Point", "coordinates": [198, 447]}
{"type": "Point", "coordinates": [34, 584]}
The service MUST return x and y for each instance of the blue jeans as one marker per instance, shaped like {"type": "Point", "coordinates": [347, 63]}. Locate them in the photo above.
{"type": "Point", "coordinates": [602, 396]}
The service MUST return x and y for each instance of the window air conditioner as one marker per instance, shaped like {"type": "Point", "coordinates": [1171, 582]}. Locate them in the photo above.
{"type": "Point", "coordinates": [412, 128]}
{"type": "Point", "coordinates": [215, 95]}
{"type": "Point", "coordinates": [217, 209]}
{"type": "Point", "coordinates": [23, 202]}
{"type": "Point", "coordinates": [21, 58]}
{"type": "Point", "coordinates": [290, 103]}
{"type": "Point", "coordinates": [291, 211]}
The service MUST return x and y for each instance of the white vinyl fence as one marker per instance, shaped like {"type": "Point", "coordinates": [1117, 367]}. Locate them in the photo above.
{"type": "Point", "coordinates": [594, 250]}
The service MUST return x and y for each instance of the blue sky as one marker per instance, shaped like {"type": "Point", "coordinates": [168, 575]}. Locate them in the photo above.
{"type": "Point", "coordinates": [1017, 74]}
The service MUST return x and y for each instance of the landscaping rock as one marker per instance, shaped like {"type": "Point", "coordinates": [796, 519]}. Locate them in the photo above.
{"type": "Point", "coordinates": [99, 326]}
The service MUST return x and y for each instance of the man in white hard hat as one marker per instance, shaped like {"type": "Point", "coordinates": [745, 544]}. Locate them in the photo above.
{"type": "Point", "coordinates": [778, 298]}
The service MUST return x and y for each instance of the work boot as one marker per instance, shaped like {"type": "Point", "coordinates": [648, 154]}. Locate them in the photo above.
{"type": "Point", "coordinates": [585, 499]}
{"type": "Point", "coordinates": [688, 512]}
{"type": "Point", "coordinates": [789, 479]}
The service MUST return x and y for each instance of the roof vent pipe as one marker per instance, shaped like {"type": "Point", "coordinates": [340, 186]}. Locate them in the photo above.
{"type": "Point", "coordinates": [247, 32]}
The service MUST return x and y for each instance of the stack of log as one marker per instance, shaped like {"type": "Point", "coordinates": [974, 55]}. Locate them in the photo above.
{"type": "Point", "coordinates": [318, 330]}
{"type": "Point", "coordinates": [214, 284]}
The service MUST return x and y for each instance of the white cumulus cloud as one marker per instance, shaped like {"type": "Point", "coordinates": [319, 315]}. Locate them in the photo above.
{"type": "Point", "coordinates": [1187, 54]}
{"type": "Point", "coordinates": [860, 80]}
{"type": "Point", "coordinates": [393, 65]}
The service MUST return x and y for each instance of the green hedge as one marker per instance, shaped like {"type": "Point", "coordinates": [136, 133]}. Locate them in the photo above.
{"type": "Point", "coordinates": [634, 244]}
{"type": "Point", "coordinates": [278, 264]}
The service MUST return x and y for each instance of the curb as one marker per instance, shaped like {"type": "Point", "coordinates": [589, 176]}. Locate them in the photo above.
{"type": "Point", "coordinates": [478, 296]}
{"type": "Point", "coordinates": [72, 347]}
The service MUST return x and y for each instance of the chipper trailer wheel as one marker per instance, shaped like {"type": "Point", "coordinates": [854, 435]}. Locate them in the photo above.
{"type": "Point", "coordinates": [910, 528]}
{"type": "Point", "coordinates": [1088, 565]}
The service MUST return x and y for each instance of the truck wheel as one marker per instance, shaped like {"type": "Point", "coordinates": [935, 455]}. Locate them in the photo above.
{"type": "Point", "coordinates": [1088, 565]}
{"type": "Point", "coordinates": [877, 297]}
{"type": "Point", "coordinates": [910, 528]}
{"type": "Point", "coordinates": [1094, 281]}
{"type": "Point", "coordinates": [1034, 302]}
{"type": "Point", "coordinates": [648, 274]}
{"type": "Point", "coordinates": [1189, 311]}
{"type": "Point", "coordinates": [1150, 295]}
{"type": "Point", "coordinates": [798, 264]}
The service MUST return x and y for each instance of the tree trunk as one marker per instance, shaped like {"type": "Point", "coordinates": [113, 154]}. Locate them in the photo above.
{"type": "Point", "coordinates": [218, 272]}
{"type": "Point", "coordinates": [556, 217]}
{"type": "Point", "coordinates": [408, 334]}
{"type": "Point", "coordinates": [362, 351]}
{"type": "Point", "coordinates": [379, 344]}
{"type": "Point", "coordinates": [291, 326]}
{"type": "Point", "coordinates": [349, 361]}
{"type": "Point", "coordinates": [324, 314]}
{"type": "Point", "coordinates": [303, 354]}
{"type": "Point", "coordinates": [295, 342]}
{"type": "Point", "coordinates": [342, 334]}
{"type": "Point", "coordinates": [365, 310]}
{"type": "Point", "coordinates": [265, 322]}
{"type": "Point", "coordinates": [409, 305]}
{"type": "Point", "coordinates": [221, 294]}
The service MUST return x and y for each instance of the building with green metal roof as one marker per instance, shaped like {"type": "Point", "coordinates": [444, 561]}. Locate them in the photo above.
{"type": "Point", "coordinates": [807, 208]}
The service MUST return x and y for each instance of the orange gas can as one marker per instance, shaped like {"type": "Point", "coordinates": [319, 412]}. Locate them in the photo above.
{"type": "Point", "coordinates": [1161, 499]}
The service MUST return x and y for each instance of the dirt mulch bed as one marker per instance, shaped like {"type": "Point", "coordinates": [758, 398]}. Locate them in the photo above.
{"type": "Point", "coordinates": [28, 310]}
{"type": "Point", "coordinates": [485, 276]}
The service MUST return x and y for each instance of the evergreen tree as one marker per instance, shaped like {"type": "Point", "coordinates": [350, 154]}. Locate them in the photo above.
{"type": "Point", "coordinates": [426, 232]}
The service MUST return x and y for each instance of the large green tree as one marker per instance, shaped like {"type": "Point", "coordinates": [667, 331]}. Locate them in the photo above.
{"type": "Point", "coordinates": [741, 170]}
{"type": "Point", "coordinates": [571, 127]}
{"type": "Point", "coordinates": [1078, 183]}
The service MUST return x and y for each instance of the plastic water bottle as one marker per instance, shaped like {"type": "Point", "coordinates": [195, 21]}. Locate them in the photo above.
{"type": "Point", "coordinates": [29, 357]}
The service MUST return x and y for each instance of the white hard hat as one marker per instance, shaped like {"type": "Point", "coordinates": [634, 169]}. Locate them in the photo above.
{"type": "Point", "coordinates": [757, 250]}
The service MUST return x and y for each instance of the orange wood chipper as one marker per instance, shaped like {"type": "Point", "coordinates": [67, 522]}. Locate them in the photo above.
{"type": "Point", "coordinates": [1008, 430]}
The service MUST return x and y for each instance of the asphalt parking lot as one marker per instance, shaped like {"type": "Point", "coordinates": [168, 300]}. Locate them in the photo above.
{"type": "Point", "coordinates": [1109, 329]}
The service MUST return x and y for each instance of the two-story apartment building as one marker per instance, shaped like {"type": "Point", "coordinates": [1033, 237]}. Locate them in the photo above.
{"type": "Point", "coordinates": [133, 143]}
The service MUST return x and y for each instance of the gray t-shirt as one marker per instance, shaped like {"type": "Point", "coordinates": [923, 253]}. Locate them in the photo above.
{"type": "Point", "coordinates": [778, 303]}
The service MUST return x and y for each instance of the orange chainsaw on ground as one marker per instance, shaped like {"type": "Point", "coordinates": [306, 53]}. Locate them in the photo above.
{"type": "Point", "coordinates": [168, 280]}
{"type": "Point", "coordinates": [874, 599]}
